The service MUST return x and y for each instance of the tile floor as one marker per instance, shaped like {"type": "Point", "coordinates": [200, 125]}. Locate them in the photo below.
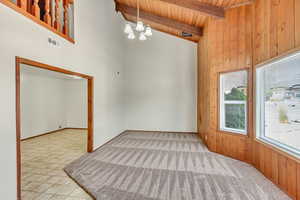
{"type": "Point", "coordinates": [43, 160]}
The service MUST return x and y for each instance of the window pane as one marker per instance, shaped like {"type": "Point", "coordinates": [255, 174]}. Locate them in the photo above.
{"type": "Point", "coordinates": [279, 97]}
{"type": "Point", "coordinates": [235, 116]}
{"type": "Point", "coordinates": [233, 102]}
{"type": "Point", "coordinates": [235, 86]}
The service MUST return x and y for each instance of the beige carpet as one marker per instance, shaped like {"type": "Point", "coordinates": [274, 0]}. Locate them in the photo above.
{"type": "Point", "coordinates": [167, 166]}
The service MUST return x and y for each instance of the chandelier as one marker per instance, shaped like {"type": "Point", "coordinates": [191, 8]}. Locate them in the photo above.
{"type": "Point", "coordinates": [140, 29]}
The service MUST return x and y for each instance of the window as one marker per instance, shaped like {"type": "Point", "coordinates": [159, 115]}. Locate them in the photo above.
{"type": "Point", "coordinates": [278, 103]}
{"type": "Point", "coordinates": [233, 102]}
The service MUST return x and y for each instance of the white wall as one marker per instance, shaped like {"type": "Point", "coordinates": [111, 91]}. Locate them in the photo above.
{"type": "Point", "coordinates": [76, 103]}
{"type": "Point", "coordinates": [98, 51]}
{"type": "Point", "coordinates": [160, 84]}
{"type": "Point", "coordinates": [51, 101]}
{"type": "Point", "coordinates": [42, 104]}
{"type": "Point", "coordinates": [161, 87]}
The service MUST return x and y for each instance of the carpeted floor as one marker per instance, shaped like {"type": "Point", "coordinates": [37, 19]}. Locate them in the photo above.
{"type": "Point", "coordinates": [167, 166]}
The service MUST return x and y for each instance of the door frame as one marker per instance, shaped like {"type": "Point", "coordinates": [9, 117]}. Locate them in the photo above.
{"type": "Point", "coordinates": [90, 94]}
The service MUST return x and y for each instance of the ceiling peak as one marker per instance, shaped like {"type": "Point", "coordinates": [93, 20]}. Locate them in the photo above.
{"type": "Point", "coordinates": [128, 10]}
{"type": "Point", "coordinates": [202, 8]}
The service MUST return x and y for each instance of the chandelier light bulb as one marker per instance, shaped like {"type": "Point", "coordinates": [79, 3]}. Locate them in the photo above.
{"type": "Point", "coordinates": [128, 29]}
{"type": "Point", "coordinates": [148, 31]}
{"type": "Point", "coordinates": [131, 36]}
{"type": "Point", "coordinates": [140, 30]}
{"type": "Point", "coordinates": [142, 36]}
{"type": "Point", "coordinates": [140, 26]}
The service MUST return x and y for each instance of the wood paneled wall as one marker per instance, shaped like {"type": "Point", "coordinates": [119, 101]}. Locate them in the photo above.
{"type": "Point", "coordinates": [247, 36]}
{"type": "Point", "coordinates": [203, 89]}
{"type": "Point", "coordinates": [225, 46]}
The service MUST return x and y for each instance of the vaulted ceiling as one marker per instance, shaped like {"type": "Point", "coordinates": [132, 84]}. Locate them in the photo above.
{"type": "Point", "coordinates": [177, 16]}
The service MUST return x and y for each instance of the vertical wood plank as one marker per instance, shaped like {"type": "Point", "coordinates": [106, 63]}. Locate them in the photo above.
{"type": "Point", "coordinates": [248, 151]}
{"type": "Point", "coordinates": [232, 148]}
{"type": "Point", "coordinates": [242, 28]}
{"type": "Point", "coordinates": [262, 158]}
{"type": "Point", "coordinates": [286, 26]}
{"type": "Point", "coordinates": [243, 149]}
{"type": "Point", "coordinates": [297, 22]}
{"type": "Point", "coordinates": [220, 45]}
{"type": "Point", "coordinates": [237, 148]}
{"type": "Point", "coordinates": [226, 43]}
{"type": "Point", "coordinates": [274, 6]}
{"type": "Point", "coordinates": [259, 18]}
{"type": "Point", "coordinates": [298, 181]}
{"type": "Point", "coordinates": [203, 94]}
{"type": "Point", "coordinates": [225, 141]}
{"type": "Point", "coordinates": [234, 39]}
{"type": "Point", "coordinates": [268, 163]}
{"type": "Point", "coordinates": [249, 35]}
{"type": "Point", "coordinates": [219, 61]}
{"type": "Point", "coordinates": [213, 79]}
{"type": "Point", "coordinates": [249, 63]}
{"type": "Point", "coordinates": [282, 172]}
{"type": "Point", "coordinates": [275, 167]}
{"type": "Point", "coordinates": [256, 156]}
{"type": "Point", "coordinates": [292, 178]}
{"type": "Point", "coordinates": [221, 144]}
{"type": "Point", "coordinates": [267, 13]}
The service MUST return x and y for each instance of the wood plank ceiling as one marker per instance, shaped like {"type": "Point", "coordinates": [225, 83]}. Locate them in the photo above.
{"type": "Point", "coordinates": [177, 16]}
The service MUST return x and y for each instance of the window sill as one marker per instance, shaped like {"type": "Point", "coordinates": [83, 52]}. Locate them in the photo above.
{"type": "Point", "coordinates": [280, 150]}
{"type": "Point", "coordinates": [13, 6]}
{"type": "Point", "coordinates": [233, 131]}
{"type": "Point", "coordinates": [238, 134]}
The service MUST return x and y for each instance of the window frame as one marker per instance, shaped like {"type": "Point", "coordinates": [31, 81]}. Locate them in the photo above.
{"type": "Point", "coordinates": [259, 108]}
{"type": "Point", "coordinates": [221, 105]}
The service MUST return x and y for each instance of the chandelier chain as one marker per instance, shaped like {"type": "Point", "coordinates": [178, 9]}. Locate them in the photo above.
{"type": "Point", "coordinates": [138, 10]}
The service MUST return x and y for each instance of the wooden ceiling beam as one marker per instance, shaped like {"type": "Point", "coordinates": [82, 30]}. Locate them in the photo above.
{"type": "Point", "coordinates": [125, 9]}
{"type": "Point", "coordinates": [245, 3]}
{"type": "Point", "coordinates": [193, 38]}
{"type": "Point", "coordinates": [203, 8]}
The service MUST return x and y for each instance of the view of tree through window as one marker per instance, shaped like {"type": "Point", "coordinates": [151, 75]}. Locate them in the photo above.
{"type": "Point", "coordinates": [278, 102]}
{"type": "Point", "coordinates": [233, 102]}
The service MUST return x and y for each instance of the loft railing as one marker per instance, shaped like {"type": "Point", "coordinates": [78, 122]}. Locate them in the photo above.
{"type": "Point", "coordinates": [55, 15]}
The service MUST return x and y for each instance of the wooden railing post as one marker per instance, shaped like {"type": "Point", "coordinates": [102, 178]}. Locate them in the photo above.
{"type": "Point", "coordinates": [56, 20]}
{"type": "Point", "coordinates": [22, 4]}
{"type": "Point", "coordinates": [47, 17]}
{"type": "Point", "coordinates": [66, 17]}
{"type": "Point", "coordinates": [36, 9]}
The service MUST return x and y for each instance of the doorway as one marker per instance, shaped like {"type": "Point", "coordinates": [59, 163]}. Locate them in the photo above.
{"type": "Point", "coordinates": [40, 66]}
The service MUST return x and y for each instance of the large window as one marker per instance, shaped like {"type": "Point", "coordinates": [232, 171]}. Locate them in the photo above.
{"type": "Point", "coordinates": [233, 102]}
{"type": "Point", "coordinates": [278, 103]}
